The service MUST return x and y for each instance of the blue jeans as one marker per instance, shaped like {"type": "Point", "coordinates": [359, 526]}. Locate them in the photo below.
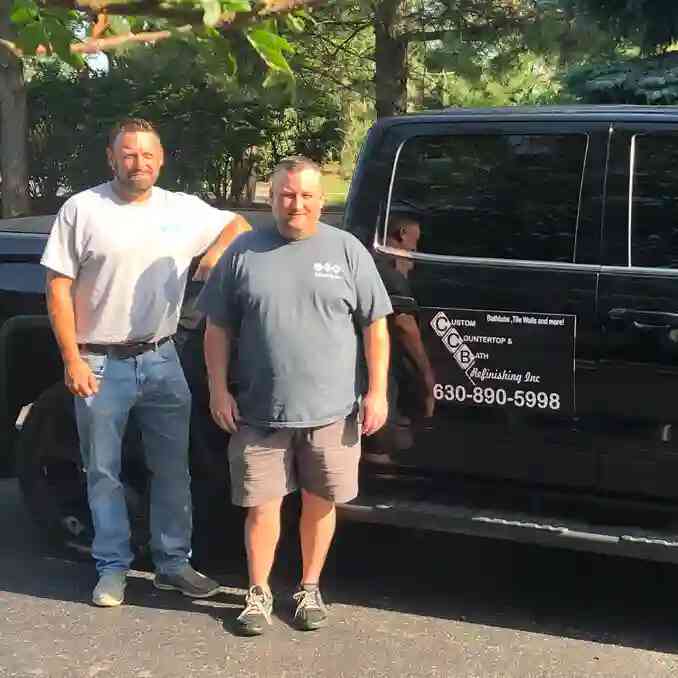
{"type": "Point", "coordinates": [153, 384]}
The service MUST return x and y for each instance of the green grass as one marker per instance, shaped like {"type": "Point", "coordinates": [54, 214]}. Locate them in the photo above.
{"type": "Point", "coordinates": [335, 187]}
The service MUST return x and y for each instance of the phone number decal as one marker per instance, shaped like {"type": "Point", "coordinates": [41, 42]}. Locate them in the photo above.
{"type": "Point", "coordinates": [496, 358]}
{"type": "Point", "coordinates": [497, 396]}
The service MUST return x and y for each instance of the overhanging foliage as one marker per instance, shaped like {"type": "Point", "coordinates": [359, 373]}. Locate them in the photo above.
{"type": "Point", "coordinates": [70, 28]}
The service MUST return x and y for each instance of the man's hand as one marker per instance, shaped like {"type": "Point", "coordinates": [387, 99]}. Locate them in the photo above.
{"type": "Point", "coordinates": [374, 413]}
{"type": "Point", "coordinates": [224, 410]}
{"type": "Point", "coordinates": [205, 266]}
{"type": "Point", "coordinates": [80, 379]}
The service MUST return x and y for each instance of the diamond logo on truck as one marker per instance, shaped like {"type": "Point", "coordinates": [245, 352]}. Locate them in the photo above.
{"type": "Point", "coordinates": [440, 324]}
{"type": "Point", "coordinates": [464, 357]}
{"type": "Point", "coordinates": [453, 341]}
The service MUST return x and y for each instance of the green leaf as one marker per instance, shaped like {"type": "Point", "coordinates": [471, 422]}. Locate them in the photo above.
{"type": "Point", "coordinates": [21, 16]}
{"type": "Point", "coordinates": [230, 64]}
{"type": "Point", "coordinates": [236, 6]}
{"type": "Point", "coordinates": [278, 79]}
{"type": "Point", "coordinates": [270, 48]}
{"type": "Point", "coordinates": [119, 25]}
{"type": "Point", "coordinates": [211, 32]}
{"type": "Point", "coordinates": [212, 12]}
{"type": "Point", "coordinates": [60, 39]}
{"type": "Point", "coordinates": [221, 57]}
{"type": "Point", "coordinates": [294, 23]}
{"type": "Point", "coordinates": [32, 35]}
{"type": "Point", "coordinates": [62, 14]}
{"type": "Point", "coordinates": [306, 16]}
{"type": "Point", "coordinates": [23, 12]}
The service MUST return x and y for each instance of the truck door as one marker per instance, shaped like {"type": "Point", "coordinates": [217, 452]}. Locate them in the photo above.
{"type": "Point", "coordinates": [502, 281]}
{"type": "Point", "coordinates": [638, 307]}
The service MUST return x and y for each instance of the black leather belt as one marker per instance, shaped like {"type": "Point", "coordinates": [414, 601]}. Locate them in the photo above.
{"type": "Point", "coordinates": [122, 351]}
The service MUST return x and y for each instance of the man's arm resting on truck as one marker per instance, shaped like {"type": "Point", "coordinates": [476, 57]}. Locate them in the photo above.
{"type": "Point", "coordinates": [77, 375]}
{"type": "Point", "coordinates": [231, 231]}
{"type": "Point", "coordinates": [223, 407]}
{"type": "Point", "coordinates": [375, 403]}
{"type": "Point", "coordinates": [409, 335]}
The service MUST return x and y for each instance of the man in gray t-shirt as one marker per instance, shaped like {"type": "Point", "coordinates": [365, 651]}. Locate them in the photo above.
{"type": "Point", "coordinates": [296, 297]}
{"type": "Point", "coordinates": [118, 257]}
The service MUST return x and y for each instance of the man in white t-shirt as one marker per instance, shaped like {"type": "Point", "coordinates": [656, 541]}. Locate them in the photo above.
{"type": "Point", "coordinates": [117, 259]}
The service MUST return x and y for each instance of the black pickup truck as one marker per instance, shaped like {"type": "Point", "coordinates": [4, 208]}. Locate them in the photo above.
{"type": "Point", "coordinates": [543, 293]}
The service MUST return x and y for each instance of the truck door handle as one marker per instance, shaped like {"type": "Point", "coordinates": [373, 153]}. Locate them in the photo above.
{"type": "Point", "coordinates": [645, 320]}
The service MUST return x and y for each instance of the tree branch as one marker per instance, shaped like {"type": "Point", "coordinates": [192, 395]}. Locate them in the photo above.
{"type": "Point", "coordinates": [327, 74]}
{"type": "Point", "coordinates": [230, 21]}
{"type": "Point", "coordinates": [342, 45]}
{"type": "Point", "coordinates": [469, 30]}
{"type": "Point", "coordinates": [100, 26]}
{"type": "Point", "coordinates": [424, 36]}
{"type": "Point", "coordinates": [11, 48]}
{"type": "Point", "coordinates": [182, 12]}
{"type": "Point", "coordinates": [94, 45]}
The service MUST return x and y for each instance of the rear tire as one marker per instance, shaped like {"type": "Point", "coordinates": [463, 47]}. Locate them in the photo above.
{"type": "Point", "coordinates": [53, 481]}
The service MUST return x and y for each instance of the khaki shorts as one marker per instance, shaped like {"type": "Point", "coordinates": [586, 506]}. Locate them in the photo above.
{"type": "Point", "coordinates": [269, 463]}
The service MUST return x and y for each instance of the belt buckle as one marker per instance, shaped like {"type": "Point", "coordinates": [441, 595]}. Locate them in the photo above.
{"type": "Point", "coordinates": [132, 350]}
{"type": "Point", "coordinates": [123, 351]}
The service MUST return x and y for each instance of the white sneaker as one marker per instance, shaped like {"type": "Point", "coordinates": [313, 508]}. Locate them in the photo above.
{"type": "Point", "coordinates": [110, 590]}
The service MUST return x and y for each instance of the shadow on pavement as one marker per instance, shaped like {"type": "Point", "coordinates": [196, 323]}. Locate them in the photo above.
{"type": "Point", "coordinates": [550, 591]}
{"type": "Point", "coordinates": [544, 591]}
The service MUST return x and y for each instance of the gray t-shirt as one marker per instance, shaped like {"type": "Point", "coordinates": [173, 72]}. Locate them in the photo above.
{"type": "Point", "coordinates": [129, 261]}
{"type": "Point", "coordinates": [297, 308]}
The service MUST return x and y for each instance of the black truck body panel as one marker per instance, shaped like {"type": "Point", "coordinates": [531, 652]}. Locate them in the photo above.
{"type": "Point", "coordinates": [549, 229]}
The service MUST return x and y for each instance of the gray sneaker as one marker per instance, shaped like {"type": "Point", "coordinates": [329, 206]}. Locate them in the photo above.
{"type": "Point", "coordinates": [110, 590]}
{"type": "Point", "coordinates": [311, 612]}
{"type": "Point", "coordinates": [188, 581]}
{"type": "Point", "coordinates": [256, 616]}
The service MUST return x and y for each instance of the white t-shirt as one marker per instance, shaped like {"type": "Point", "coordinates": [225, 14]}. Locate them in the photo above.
{"type": "Point", "coordinates": [129, 261]}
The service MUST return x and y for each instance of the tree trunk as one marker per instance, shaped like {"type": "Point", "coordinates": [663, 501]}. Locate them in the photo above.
{"type": "Point", "coordinates": [13, 126]}
{"type": "Point", "coordinates": [390, 73]}
{"type": "Point", "coordinates": [241, 176]}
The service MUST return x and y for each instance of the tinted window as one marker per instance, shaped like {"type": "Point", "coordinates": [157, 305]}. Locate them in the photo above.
{"type": "Point", "coordinates": [654, 213]}
{"type": "Point", "coordinates": [513, 196]}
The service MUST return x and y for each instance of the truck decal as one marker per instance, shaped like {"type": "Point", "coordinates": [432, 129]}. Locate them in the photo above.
{"type": "Point", "coordinates": [502, 358]}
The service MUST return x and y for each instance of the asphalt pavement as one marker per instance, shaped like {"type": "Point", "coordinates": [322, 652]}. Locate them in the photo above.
{"type": "Point", "coordinates": [402, 604]}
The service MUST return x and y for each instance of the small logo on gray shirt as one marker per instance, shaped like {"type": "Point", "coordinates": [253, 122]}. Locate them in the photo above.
{"type": "Point", "coordinates": [327, 270]}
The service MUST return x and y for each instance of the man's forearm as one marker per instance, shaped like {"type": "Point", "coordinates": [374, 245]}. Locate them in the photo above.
{"type": "Point", "coordinates": [376, 343]}
{"type": "Point", "coordinates": [410, 338]}
{"type": "Point", "coordinates": [62, 316]}
{"type": "Point", "coordinates": [218, 341]}
{"type": "Point", "coordinates": [231, 231]}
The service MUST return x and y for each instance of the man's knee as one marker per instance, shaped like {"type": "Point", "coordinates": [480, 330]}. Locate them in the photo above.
{"type": "Point", "coordinates": [316, 500]}
{"type": "Point", "coordinates": [267, 511]}
{"type": "Point", "coordinates": [316, 507]}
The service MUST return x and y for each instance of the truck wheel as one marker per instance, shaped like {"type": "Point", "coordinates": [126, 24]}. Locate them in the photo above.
{"type": "Point", "coordinates": [53, 482]}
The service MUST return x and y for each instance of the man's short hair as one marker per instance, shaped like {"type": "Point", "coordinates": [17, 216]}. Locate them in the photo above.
{"type": "Point", "coordinates": [295, 163]}
{"type": "Point", "coordinates": [130, 125]}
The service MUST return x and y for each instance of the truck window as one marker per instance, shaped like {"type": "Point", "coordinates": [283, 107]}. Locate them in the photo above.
{"type": "Point", "coordinates": [512, 196]}
{"type": "Point", "coordinates": [654, 201]}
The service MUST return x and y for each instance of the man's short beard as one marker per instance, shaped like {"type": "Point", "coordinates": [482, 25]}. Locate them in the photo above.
{"type": "Point", "coordinates": [129, 186]}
